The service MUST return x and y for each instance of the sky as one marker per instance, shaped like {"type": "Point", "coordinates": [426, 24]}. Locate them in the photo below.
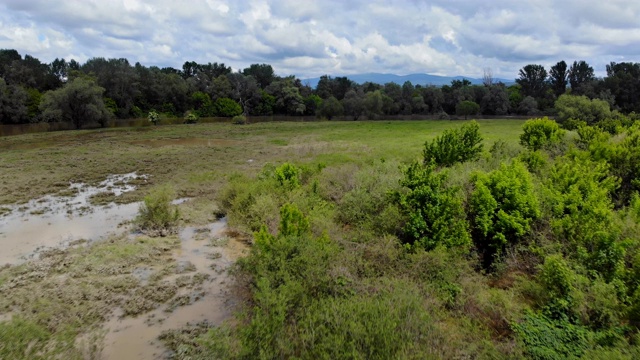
{"type": "Point", "coordinates": [334, 37]}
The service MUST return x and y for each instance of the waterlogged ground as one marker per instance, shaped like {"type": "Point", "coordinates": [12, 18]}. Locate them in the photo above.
{"type": "Point", "coordinates": [54, 220]}
{"type": "Point", "coordinates": [74, 260]}
{"type": "Point", "coordinates": [202, 295]}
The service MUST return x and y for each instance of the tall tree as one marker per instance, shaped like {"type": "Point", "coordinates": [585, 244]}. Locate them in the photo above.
{"type": "Point", "coordinates": [623, 80]}
{"type": "Point", "coordinates": [580, 74]}
{"type": "Point", "coordinates": [558, 77]}
{"type": "Point", "coordinates": [263, 73]}
{"type": "Point", "coordinates": [533, 80]}
{"type": "Point", "coordinates": [79, 102]}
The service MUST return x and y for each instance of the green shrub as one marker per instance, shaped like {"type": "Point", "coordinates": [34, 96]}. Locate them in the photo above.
{"type": "Point", "coordinates": [153, 117]}
{"type": "Point", "coordinates": [540, 133]}
{"type": "Point", "coordinates": [191, 117]}
{"type": "Point", "coordinates": [434, 212]}
{"type": "Point", "coordinates": [579, 193]}
{"type": "Point", "coordinates": [239, 120]}
{"type": "Point", "coordinates": [535, 160]}
{"type": "Point", "coordinates": [288, 175]}
{"type": "Point", "coordinates": [227, 107]}
{"type": "Point", "coordinates": [588, 135]}
{"type": "Point", "coordinates": [503, 207]}
{"type": "Point", "coordinates": [454, 145]}
{"type": "Point", "coordinates": [557, 279]}
{"type": "Point", "coordinates": [157, 216]}
{"type": "Point", "coordinates": [546, 339]}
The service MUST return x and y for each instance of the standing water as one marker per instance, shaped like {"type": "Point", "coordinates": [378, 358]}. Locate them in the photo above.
{"type": "Point", "coordinates": [57, 220]}
{"type": "Point", "coordinates": [137, 338]}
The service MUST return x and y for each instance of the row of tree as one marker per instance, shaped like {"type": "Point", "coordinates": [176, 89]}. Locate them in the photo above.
{"type": "Point", "coordinates": [101, 89]}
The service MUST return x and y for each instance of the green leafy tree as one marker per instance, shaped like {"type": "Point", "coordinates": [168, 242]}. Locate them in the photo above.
{"type": "Point", "coordinates": [353, 104]}
{"type": "Point", "coordinates": [466, 108]}
{"type": "Point", "coordinates": [558, 77]}
{"type": "Point", "coordinates": [330, 107]}
{"type": "Point", "coordinates": [496, 100]}
{"type": "Point", "coordinates": [263, 73]}
{"type": "Point", "coordinates": [533, 80]}
{"type": "Point", "coordinates": [581, 108]}
{"type": "Point", "coordinates": [80, 102]}
{"type": "Point", "coordinates": [580, 74]}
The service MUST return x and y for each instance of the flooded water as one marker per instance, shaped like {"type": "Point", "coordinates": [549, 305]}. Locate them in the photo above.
{"type": "Point", "coordinates": [57, 220]}
{"type": "Point", "coordinates": [137, 338]}
{"type": "Point", "coordinates": [202, 260]}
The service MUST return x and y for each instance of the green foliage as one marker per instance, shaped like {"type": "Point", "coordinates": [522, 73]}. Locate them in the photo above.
{"type": "Point", "coordinates": [239, 120]}
{"type": "Point", "coordinates": [79, 102]}
{"type": "Point", "coordinates": [288, 175]}
{"type": "Point", "coordinates": [434, 212]}
{"type": "Point", "coordinates": [330, 107]}
{"type": "Point", "coordinates": [227, 107]}
{"type": "Point", "coordinates": [557, 279]}
{"type": "Point", "coordinates": [191, 117]}
{"type": "Point", "coordinates": [581, 108]}
{"type": "Point", "coordinates": [588, 135]}
{"type": "Point", "coordinates": [292, 221]}
{"type": "Point", "coordinates": [453, 146]}
{"type": "Point", "coordinates": [466, 108]}
{"type": "Point", "coordinates": [547, 339]}
{"type": "Point", "coordinates": [540, 133]}
{"type": "Point", "coordinates": [153, 117]}
{"type": "Point", "coordinates": [580, 199]}
{"type": "Point", "coordinates": [157, 216]}
{"type": "Point", "coordinates": [503, 207]}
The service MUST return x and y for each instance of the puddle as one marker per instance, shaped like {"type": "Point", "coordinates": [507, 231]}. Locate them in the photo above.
{"type": "Point", "coordinates": [185, 142]}
{"type": "Point", "coordinates": [52, 220]}
{"type": "Point", "coordinates": [137, 338]}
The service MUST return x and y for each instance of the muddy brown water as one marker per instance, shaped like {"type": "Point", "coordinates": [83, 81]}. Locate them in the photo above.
{"type": "Point", "coordinates": [52, 221]}
{"type": "Point", "coordinates": [137, 338]}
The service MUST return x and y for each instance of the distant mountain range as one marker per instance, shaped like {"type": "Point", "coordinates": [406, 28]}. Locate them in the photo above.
{"type": "Point", "coordinates": [422, 79]}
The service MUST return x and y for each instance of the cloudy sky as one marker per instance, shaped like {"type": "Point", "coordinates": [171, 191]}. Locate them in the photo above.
{"type": "Point", "coordinates": [335, 37]}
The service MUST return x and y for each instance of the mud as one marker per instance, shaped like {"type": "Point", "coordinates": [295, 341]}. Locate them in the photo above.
{"type": "Point", "coordinates": [52, 221]}
{"type": "Point", "coordinates": [156, 143]}
{"type": "Point", "coordinates": [202, 295]}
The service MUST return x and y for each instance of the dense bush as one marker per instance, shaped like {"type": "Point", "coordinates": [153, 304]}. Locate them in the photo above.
{"type": "Point", "coordinates": [581, 108]}
{"type": "Point", "coordinates": [453, 146]}
{"type": "Point", "coordinates": [539, 133]}
{"type": "Point", "coordinates": [434, 213]}
{"type": "Point", "coordinates": [503, 207]}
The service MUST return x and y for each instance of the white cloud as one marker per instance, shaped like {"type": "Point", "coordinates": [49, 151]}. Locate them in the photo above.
{"type": "Point", "coordinates": [311, 38]}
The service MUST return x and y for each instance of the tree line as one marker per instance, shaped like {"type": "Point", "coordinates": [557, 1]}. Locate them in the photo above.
{"type": "Point", "coordinates": [103, 89]}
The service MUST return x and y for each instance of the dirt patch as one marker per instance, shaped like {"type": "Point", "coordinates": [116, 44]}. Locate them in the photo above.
{"type": "Point", "coordinates": [156, 143]}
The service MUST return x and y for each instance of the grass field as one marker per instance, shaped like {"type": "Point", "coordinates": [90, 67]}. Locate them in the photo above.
{"type": "Point", "coordinates": [196, 158]}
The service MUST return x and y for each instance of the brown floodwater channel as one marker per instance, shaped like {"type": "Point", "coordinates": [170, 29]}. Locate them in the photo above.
{"type": "Point", "coordinates": [207, 253]}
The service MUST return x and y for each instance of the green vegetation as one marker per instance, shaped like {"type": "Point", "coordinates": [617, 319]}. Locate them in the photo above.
{"type": "Point", "coordinates": [453, 146]}
{"type": "Point", "coordinates": [157, 216]}
{"type": "Point", "coordinates": [381, 240]}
